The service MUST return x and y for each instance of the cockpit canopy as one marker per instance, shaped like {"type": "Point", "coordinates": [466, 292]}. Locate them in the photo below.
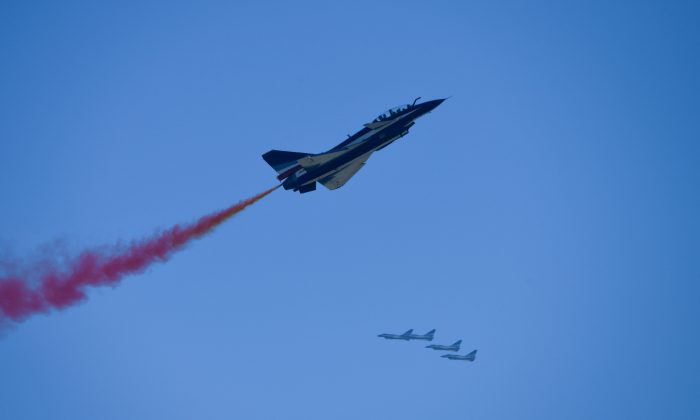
{"type": "Point", "coordinates": [392, 112]}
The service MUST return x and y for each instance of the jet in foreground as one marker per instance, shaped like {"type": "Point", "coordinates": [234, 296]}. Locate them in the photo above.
{"type": "Point", "coordinates": [470, 357]}
{"type": "Point", "coordinates": [451, 347]}
{"type": "Point", "coordinates": [405, 336]}
{"type": "Point", "coordinates": [427, 336]}
{"type": "Point", "coordinates": [300, 171]}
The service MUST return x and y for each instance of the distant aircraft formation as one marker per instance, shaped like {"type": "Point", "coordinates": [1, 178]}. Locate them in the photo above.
{"type": "Point", "coordinates": [409, 335]}
{"type": "Point", "coordinates": [300, 171]}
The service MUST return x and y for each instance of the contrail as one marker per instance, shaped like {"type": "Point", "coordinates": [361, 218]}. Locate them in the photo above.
{"type": "Point", "coordinates": [58, 287]}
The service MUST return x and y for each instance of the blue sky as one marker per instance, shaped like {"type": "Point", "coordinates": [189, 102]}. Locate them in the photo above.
{"type": "Point", "coordinates": [546, 214]}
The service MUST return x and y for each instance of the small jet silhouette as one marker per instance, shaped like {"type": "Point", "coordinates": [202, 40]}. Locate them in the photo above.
{"type": "Point", "coordinates": [451, 347]}
{"type": "Point", "coordinates": [470, 357]}
{"type": "Point", "coordinates": [427, 336]}
{"type": "Point", "coordinates": [301, 171]}
{"type": "Point", "coordinates": [405, 336]}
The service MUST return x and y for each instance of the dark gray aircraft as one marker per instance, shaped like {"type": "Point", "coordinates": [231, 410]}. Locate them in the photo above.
{"type": "Point", "coordinates": [427, 336]}
{"type": "Point", "coordinates": [470, 357]}
{"type": "Point", "coordinates": [301, 171]}
{"type": "Point", "coordinates": [405, 336]}
{"type": "Point", "coordinates": [451, 347]}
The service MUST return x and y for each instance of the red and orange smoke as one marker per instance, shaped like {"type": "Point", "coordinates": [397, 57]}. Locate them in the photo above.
{"type": "Point", "coordinates": [58, 287]}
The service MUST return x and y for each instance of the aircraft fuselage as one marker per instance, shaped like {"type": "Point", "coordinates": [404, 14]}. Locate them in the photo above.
{"type": "Point", "coordinates": [443, 348]}
{"type": "Point", "coordinates": [374, 136]}
{"type": "Point", "coordinates": [469, 357]}
{"type": "Point", "coordinates": [394, 337]}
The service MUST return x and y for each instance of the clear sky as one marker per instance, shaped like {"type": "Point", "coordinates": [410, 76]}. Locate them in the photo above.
{"type": "Point", "coordinates": [546, 214]}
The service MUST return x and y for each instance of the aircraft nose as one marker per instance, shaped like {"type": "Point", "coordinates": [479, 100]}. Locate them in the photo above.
{"type": "Point", "coordinates": [430, 105]}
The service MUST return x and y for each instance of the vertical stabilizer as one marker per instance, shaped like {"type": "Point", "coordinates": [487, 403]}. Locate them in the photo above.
{"type": "Point", "coordinates": [285, 163]}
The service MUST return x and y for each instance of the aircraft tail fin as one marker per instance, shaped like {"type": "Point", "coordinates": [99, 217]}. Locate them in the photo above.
{"type": "Point", "coordinates": [471, 356]}
{"type": "Point", "coordinates": [458, 343]}
{"type": "Point", "coordinates": [430, 333]}
{"type": "Point", "coordinates": [409, 332]}
{"type": "Point", "coordinates": [283, 162]}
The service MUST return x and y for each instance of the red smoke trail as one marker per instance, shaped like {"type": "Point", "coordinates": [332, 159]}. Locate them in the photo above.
{"type": "Point", "coordinates": [59, 288]}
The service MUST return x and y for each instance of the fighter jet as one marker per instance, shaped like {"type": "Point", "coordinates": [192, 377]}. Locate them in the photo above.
{"type": "Point", "coordinates": [405, 336]}
{"type": "Point", "coordinates": [470, 357]}
{"type": "Point", "coordinates": [300, 171]}
{"type": "Point", "coordinates": [451, 347]}
{"type": "Point", "coordinates": [427, 336]}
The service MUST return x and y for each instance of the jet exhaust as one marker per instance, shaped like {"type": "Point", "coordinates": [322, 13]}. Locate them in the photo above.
{"type": "Point", "coordinates": [44, 287]}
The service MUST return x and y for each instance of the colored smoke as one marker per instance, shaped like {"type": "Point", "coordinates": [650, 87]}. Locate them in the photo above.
{"type": "Point", "coordinates": [59, 286]}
